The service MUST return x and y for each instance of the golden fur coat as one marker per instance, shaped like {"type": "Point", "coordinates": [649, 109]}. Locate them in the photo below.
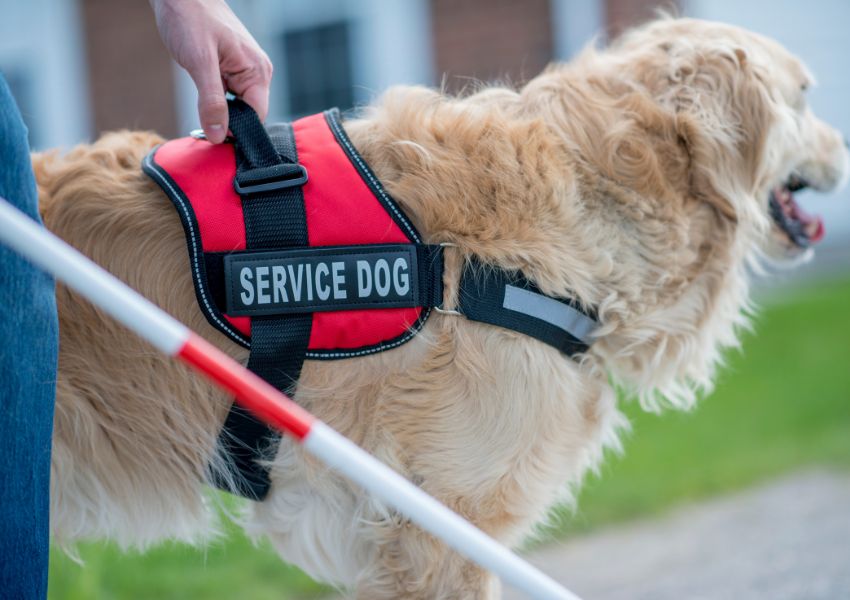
{"type": "Point", "coordinates": [634, 178]}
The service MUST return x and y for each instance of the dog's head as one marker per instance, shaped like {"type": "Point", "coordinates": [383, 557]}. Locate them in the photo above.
{"type": "Point", "coordinates": [692, 138]}
{"type": "Point", "coordinates": [641, 179]}
{"type": "Point", "coordinates": [741, 111]}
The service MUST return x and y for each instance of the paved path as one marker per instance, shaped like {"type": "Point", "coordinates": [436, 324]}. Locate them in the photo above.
{"type": "Point", "coordinates": [788, 539]}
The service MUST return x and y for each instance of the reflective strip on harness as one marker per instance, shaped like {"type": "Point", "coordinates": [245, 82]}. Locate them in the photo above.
{"type": "Point", "coordinates": [561, 315]}
{"type": "Point", "coordinates": [509, 300]}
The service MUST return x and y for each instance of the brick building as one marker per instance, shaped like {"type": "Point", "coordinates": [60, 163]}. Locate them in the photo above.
{"type": "Point", "coordinates": [80, 67]}
{"type": "Point", "coordinates": [107, 68]}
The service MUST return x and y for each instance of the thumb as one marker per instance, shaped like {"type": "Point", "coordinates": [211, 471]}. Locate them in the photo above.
{"type": "Point", "coordinates": [212, 105]}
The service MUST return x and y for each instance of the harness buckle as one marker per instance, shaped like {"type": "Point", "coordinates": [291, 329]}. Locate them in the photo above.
{"type": "Point", "coordinates": [266, 179]}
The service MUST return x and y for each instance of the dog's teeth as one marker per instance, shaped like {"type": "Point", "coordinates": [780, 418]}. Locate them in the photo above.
{"type": "Point", "coordinates": [811, 228]}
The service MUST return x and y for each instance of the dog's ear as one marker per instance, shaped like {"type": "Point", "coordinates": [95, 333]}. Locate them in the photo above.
{"type": "Point", "coordinates": [723, 117]}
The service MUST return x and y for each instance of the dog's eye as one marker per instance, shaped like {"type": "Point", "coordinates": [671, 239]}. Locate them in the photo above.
{"type": "Point", "coordinates": [799, 102]}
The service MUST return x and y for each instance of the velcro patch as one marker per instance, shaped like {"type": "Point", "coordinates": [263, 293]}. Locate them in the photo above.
{"type": "Point", "coordinates": [321, 279]}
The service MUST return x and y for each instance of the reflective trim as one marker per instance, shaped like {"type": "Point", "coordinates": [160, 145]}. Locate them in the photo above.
{"type": "Point", "coordinates": [562, 316]}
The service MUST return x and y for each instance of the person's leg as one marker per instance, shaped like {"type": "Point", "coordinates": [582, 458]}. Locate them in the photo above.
{"type": "Point", "coordinates": [28, 348]}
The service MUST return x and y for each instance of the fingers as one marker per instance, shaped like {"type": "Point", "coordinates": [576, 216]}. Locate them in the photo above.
{"type": "Point", "coordinates": [257, 97]}
{"type": "Point", "coordinates": [212, 106]}
{"type": "Point", "coordinates": [252, 84]}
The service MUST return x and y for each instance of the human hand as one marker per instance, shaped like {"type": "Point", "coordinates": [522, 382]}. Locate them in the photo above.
{"type": "Point", "coordinates": [209, 41]}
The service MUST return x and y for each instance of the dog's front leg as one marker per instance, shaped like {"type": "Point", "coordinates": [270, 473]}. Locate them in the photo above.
{"type": "Point", "coordinates": [411, 564]}
{"type": "Point", "coordinates": [343, 536]}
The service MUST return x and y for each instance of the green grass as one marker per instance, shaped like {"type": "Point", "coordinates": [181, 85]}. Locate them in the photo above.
{"type": "Point", "coordinates": [231, 568]}
{"type": "Point", "coordinates": [781, 405]}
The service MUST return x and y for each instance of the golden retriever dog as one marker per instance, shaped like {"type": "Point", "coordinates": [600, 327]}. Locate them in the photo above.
{"type": "Point", "coordinates": [642, 179]}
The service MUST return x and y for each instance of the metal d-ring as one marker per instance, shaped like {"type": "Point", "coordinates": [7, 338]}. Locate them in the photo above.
{"type": "Point", "coordinates": [445, 311]}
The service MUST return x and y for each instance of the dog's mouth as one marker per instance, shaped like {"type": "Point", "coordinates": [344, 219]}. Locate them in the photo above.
{"type": "Point", "coordinates": [801, 228]}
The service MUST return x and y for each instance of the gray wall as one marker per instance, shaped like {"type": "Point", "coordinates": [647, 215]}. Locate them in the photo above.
{"type": "Point", "coordinates": [41, 53]}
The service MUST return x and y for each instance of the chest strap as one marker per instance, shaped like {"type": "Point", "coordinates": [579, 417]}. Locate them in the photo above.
{"type": "Point", "coordinates": [509, 300]}
{"type": "Point", "coordinates": [268, 180]}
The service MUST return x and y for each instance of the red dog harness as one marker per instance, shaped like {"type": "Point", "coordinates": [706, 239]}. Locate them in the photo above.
{"type": "Point", "coordinates": [298, 252]}
{"type": "Point", "coordinates": [340, 209]}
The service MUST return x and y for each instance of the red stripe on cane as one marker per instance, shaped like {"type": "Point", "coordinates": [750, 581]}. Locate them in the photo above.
{"type": "Point", "coordinates": [252, 393]}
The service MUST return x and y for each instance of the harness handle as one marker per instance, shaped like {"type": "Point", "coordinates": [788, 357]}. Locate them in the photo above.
{"type": "Point", "coordinates": [261, 167]}
{"type": "Point", "coordinates": [251, 139]}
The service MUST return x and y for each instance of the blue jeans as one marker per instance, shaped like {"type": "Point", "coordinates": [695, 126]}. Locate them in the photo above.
{"type": "Point", "coordinates": [28, 348]}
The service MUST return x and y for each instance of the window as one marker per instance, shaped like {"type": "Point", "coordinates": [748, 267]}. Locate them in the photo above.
{"type": "Point", "coordinates": [318, 66]}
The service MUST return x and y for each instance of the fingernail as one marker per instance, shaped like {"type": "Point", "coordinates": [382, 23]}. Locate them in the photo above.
{"type": "Point", "coordinates": [216, 132]}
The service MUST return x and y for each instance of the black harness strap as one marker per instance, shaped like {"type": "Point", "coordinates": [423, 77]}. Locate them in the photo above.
{"type": "Point", "coordinates": [509, 300]}
{"type": "Point", "coordinates": [268, 179]}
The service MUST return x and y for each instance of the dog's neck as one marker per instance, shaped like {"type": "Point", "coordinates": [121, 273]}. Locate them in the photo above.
{"type": "Point", "coordinates": [502, 177]}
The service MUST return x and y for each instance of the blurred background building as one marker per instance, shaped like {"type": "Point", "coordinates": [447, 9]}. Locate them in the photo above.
{"type": "Point", "coordinates": [81, 67]}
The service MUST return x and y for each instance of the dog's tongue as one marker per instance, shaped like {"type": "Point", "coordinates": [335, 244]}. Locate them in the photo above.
{"type": "Point", "coordinates": [812, 224]}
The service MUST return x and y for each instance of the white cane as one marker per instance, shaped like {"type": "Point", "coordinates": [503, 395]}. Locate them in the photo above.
{"type": "Point", "coordinates": [66, 264]}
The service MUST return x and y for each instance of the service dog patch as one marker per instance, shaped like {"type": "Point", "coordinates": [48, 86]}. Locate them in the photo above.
{"type": "Point", "coordinates": [321, 279]}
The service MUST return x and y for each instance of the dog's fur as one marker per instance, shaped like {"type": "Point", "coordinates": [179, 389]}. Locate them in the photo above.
{"type": "Point", "coordinates": [635, 179]}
